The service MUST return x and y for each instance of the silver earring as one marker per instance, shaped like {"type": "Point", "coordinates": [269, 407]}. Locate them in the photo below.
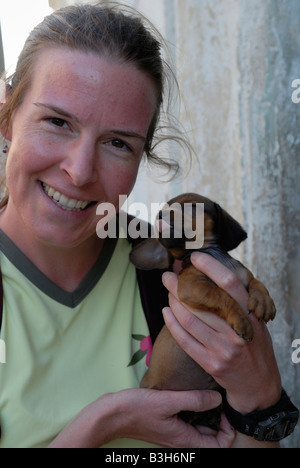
{"type": "Point", "coordinates": [4, 145]}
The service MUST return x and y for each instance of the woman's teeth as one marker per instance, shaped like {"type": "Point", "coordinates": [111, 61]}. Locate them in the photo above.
{"type": "Point", "coordinates": [69, 204]}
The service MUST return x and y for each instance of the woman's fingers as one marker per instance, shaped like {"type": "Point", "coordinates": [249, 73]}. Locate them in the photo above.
{"type": "Point", "coordinates": [192, 319]}
{"type": "Point", "coordinates": [203, 400]}
{"type": "Point", "coordinates": [222, 276]}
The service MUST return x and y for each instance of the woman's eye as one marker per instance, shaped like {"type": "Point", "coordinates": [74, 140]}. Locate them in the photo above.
{"type": "Point", "coordinates": [119, 144]}
{"type": "Point", "coordinates": [58, 122]}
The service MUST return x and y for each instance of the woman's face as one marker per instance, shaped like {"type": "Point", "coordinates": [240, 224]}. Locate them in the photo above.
{"type": "Point", "coordinates": [76, 141]}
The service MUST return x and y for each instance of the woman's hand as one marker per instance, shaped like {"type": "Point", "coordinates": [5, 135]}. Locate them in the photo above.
{"type": "Point", "coordinates": [148, 415]}
{"type": "Point", "coordinates": [248, 371]}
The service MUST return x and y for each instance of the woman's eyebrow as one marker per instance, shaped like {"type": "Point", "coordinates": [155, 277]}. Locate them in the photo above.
{"type": "Point", "coordinates": [58, 110]}
{"type": "Point", "coordinates": [63, 113]}
{"type": "Point", "coordinates": [129, 134]}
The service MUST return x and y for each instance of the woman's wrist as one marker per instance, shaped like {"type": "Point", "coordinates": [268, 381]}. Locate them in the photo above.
{"type": "Point", "coordinates": [96, 425]}
{"type": "Point", "coordinates": [104, 420]}
{"type": "Point", "coordinates": [258, 402]}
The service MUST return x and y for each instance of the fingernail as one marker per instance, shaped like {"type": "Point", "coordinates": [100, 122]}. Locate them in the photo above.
{"type": "Point", "coordinates": [166, 278]}
{"type": "Point", "coordinates": [166, 313]}
{"type": "Point", "coordinates": [196, 256]}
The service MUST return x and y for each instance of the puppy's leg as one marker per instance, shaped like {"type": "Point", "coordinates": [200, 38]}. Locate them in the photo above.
{"type": "Point", "coordinates": [260, 303]}
{"type": "Point", "coordinates": [199, 292]}
{"type": "Point", "coordinates": [172, 369]}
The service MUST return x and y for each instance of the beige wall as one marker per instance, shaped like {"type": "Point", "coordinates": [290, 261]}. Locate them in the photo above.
{"type": "Point", "coordinates": [55, 4]}
{"type": "Point", "coordinates": [236, 61]}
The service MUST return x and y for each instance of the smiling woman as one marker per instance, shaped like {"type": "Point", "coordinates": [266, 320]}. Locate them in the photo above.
{"type": "Point", "coordinates": [65, 135]}
{"type": "Point", "coordinates": [80, 111]}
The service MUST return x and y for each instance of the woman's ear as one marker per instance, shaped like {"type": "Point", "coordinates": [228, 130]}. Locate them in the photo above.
{"type": "Point", "coordinates": [5, 90]}
{"type": "Point", "coordinates": [151, 255]}
{"type": "Point", "coordinates": [5, 131]}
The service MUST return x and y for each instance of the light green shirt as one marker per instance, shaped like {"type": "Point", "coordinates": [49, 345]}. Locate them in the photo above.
{"type": "Point", "coordinates": [65, 350]}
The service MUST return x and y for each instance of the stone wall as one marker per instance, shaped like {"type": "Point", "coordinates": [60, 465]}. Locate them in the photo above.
{"type": "Point", "coordinates": [269, 58]}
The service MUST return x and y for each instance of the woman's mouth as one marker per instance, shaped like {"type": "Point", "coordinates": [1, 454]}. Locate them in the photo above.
{"type": "Point", "coordinates": [69, 204]}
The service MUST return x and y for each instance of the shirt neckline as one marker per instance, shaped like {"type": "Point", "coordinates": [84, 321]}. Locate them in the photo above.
{"type": "Point", "coordinates": [36, 277]}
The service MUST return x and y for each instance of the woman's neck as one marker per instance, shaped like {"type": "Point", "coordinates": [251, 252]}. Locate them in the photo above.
{"type": "Point", "coordinates": [66, 266]}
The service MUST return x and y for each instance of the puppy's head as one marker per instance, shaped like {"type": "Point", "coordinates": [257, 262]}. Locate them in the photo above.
{"type": "Point", "coordinates": [177, 226]}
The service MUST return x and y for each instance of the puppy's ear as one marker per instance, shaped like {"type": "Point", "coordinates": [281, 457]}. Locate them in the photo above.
{"type": "Point", "coordinates": [151, 255]}
{"type": "Point", "coordinates": [229, 232]}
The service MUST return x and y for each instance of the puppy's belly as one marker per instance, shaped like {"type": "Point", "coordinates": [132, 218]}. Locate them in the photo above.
{"type": "Point", "coordinates": [172, 369]}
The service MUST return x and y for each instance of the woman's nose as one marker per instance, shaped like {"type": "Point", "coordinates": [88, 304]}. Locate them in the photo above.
{"type": "Point", "coordinates": [80, 163]}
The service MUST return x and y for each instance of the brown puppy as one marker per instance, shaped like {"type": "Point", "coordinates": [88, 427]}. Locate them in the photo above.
{"type": "Point", "coordinates": [170, 367]}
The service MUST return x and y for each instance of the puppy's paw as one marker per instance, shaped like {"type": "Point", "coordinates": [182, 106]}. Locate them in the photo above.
{"type": "Point", "coordinates": [243, 327]}
{"type": "Point", "coordinates": [261, 305]}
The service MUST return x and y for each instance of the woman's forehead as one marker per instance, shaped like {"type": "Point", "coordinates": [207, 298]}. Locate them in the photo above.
{"type": "Point", "coordinates": [68, 67]}
{"type": "Point", "coordinates": [81, 81]}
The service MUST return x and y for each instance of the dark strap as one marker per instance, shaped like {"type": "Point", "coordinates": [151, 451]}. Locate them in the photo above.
{"type": "Point", "coordinates": [154, 298]}
{"type": "Point", "coordinates": [154, 295]}
{"type": "Point", "coordinates": [269, 425]}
